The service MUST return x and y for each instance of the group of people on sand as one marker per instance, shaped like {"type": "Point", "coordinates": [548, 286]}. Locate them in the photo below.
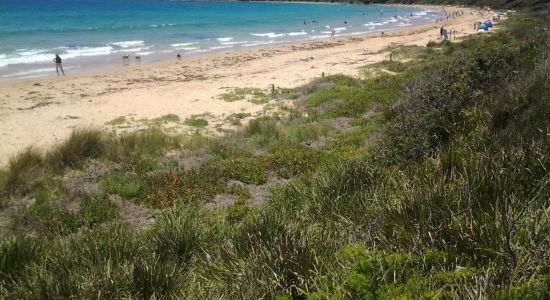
{"type": "Point", "coordinates": [451, 15]}
{"type": "Point", "coordinates": [445, 34]}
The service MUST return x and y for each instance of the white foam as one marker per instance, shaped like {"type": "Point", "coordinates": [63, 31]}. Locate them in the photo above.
{"type": "Point", "coordinates": [259, 43]}
{"type": "Point", "coordinates": [199, 51]}
{"type": "Point", "coordinates": [340, 28]}
{"type": "Point", "coordinates": [88, 51]}
{"type": "Point", "coordinates": [131, 50]}
{"type": "Point", "coordinates": [30, 72]}
{"type": "Point", "coordinates": [183, 44]}
{"type": "Point", "coordinates": [316, 37]}
{"type": "Point", "coordinates": [297, 33]}
{"type": "Point", "coordinates": [189, 48]}
{"type": "Point", "coordinates": [127, 44]}
{"type": "Point", "coordinates": [373, 24]}
{"type": "Point", "coordinates": [271, 35]}
{"type": "Point", "coordinates": [219, 47]}
{"type": "Point", "coordinates": [233, 43]}
{"type": "Point", "coordinates": [224, 39]}
{"type": "Point", "coordinates": [27, 57]}
{"type": "Point", "coordinates": [145, 53]}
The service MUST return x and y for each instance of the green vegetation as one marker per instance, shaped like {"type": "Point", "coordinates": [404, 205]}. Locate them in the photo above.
{"type": "Point", "coordinates": [167, 118]}
{"type": "Point", "coordinates": [196, 121]}
{"type": "Point", "coordinates": [253, 95]}
{"type": "Point", "coordinates": [235, 119]}
{"type": "Point", "coordinates": [117, 121]}
{"type": "Point", "coordinates": [539, 7]}
{"type": "Point", "coordinates": [426, 178]}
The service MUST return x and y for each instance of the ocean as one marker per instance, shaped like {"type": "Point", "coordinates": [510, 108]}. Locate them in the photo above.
{"type": "Point", "coordinates": [95, 34]}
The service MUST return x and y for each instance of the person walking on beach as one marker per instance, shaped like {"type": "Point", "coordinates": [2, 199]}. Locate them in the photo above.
{"type": "Point", "coordinates": [333, 33]}
{"type": "Point", "coordinates": [58, 65]}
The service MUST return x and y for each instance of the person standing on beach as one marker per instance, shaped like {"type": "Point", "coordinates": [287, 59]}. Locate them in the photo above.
{"type": "Point", "coordinates": [58, 65]}
{"type": "Point", "coordinates": [333, 33]}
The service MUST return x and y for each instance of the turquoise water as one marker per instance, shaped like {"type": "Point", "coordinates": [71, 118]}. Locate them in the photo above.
{"type": "Point", "coordinates": [91, 34]}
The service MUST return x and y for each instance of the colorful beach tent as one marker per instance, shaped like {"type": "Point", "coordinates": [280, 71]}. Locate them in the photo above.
{"type": "Point", "coordinates": [483, 26]}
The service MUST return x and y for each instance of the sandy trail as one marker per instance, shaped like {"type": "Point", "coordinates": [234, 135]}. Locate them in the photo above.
{"type": "Point", "coordinates": [41, 112]}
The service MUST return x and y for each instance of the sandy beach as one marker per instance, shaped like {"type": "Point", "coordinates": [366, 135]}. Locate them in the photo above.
{"type": "Point", "coordinates": [42, 112]}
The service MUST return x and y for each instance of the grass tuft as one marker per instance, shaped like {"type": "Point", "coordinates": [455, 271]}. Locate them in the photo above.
{"type": "Point", "coordinates": [81, 144]}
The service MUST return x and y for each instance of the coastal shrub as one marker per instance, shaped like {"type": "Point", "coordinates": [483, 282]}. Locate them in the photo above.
{"type": "Point", "coordinates": [429, 115]}
{"type": "Point", "coordinates": [378, 274]}
{"type": "Point", "coordinates": [373, 92]}
{"type": "Point", "coordinates": [523, 116]}
{"type": "Point", "coordinates": [82, 143]}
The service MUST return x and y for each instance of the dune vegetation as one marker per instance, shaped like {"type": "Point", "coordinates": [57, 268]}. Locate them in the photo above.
{"type": "Point", "coordinates": [428, 177]}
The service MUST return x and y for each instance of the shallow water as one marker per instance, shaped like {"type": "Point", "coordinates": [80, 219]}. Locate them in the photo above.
{"type": "Point", "coordinates": [94, 34]}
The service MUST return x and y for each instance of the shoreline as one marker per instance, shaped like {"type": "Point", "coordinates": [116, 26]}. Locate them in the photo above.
{"type": "Point", "coordinates": [42, 111]}
{"type": "Point", "coordinates": [236, 51]}
{"type": "Point", "coordinates": [164, 52]}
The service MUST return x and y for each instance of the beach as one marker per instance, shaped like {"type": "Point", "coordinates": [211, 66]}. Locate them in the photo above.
{"type": "Point", "coordinates": [41, 112]}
